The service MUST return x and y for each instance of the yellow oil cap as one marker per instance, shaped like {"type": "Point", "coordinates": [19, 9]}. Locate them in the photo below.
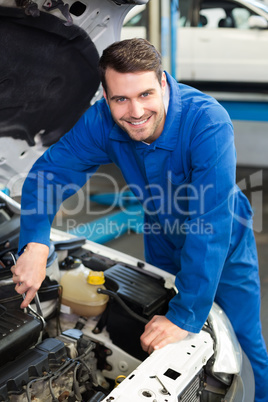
{"type": "Point", "coordinates": [96, 278]}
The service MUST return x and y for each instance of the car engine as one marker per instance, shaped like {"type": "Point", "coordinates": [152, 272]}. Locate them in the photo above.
{"type": "Point", "coordinates": [50, 363]}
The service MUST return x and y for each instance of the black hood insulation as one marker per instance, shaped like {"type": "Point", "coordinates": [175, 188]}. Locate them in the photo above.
{"type": "Point", "coordinates": [48, 75]}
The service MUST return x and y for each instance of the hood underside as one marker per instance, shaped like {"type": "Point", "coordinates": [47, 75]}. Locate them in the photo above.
{"type": "Point", "coordinates": [48, 73]}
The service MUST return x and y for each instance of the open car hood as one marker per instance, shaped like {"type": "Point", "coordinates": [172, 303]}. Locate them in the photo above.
{"type": "Point", "coordinates": [48, 73]}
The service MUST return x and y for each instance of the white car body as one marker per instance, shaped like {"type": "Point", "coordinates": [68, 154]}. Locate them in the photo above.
{"type": "Point", "coordinates": [233, 54]}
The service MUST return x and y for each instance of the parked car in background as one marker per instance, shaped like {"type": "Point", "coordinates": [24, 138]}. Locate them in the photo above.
{"type": "Point", "coordinates": [218, 42]}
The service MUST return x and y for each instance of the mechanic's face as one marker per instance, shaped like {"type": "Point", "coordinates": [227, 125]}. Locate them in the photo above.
{"type": "Point", "coordinates": [136, 103]}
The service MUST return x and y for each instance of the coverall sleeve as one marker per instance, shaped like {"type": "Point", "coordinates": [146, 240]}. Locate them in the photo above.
{"type": "Point", "coordinates": [59, 173]}
{"type": "Point", "coordinates": [209, 221]}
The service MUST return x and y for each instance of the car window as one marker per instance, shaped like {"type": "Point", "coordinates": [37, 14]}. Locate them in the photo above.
{"type": "Point", "coordinates": [223, 14]}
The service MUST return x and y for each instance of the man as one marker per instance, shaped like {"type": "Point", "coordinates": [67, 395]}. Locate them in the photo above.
{"type": "Point", "coordinates": [175, 148]}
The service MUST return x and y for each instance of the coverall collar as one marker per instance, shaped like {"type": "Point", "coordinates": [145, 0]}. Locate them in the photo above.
{"type": "Point", "coordinates": [169, 136]}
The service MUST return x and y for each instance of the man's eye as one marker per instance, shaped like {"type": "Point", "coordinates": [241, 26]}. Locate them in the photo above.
{"type": "Point", "coordinates": [145, 94]}
{"type": "Point", "coordinates": [120, 100]}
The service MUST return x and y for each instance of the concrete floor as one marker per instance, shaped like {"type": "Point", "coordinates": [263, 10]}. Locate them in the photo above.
{"type": "Point", "coordinates": [254, 183]}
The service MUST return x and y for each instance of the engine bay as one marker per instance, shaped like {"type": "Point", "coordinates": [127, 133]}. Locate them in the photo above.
{"type": "Point", "coordinates": [72, 354]}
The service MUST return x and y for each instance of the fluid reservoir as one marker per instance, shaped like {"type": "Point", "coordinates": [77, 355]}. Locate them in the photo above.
{"type": "Point", "coordinates": [80, 291]}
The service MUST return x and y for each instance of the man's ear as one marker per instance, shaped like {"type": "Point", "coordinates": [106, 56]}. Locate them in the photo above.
{"type": "Point", "coordinates": [163, 82]}
{"type": "Point", "coordinates": [105, 95]}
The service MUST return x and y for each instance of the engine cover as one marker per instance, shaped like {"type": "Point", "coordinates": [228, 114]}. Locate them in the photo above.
{"type": "Point", "coordinates": [18, 332]}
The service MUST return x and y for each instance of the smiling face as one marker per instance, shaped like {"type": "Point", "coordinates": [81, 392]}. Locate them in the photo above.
{"type": "Point", "coordinates": [136, 103]}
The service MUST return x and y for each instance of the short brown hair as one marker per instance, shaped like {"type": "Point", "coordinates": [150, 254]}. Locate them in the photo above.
{"type": "Point", "coordinates": [129, 56]}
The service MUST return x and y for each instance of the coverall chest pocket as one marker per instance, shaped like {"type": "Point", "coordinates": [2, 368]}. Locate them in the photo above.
{"type": "Point", "coordinates": [179, 188]}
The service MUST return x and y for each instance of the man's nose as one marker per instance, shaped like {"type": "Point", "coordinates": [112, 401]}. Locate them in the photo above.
{"type": "Point", "coordinates": [136, 109]}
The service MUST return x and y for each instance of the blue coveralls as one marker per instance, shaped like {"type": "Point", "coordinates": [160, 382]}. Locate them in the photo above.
{"type": "Point", "coordinates": [185, 180]}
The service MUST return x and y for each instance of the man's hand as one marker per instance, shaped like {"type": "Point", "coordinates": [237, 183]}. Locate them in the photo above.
{"type": "Point", "coordinates": [30, 271]}
{"type": "Point", "coordinates": [160, 332]}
